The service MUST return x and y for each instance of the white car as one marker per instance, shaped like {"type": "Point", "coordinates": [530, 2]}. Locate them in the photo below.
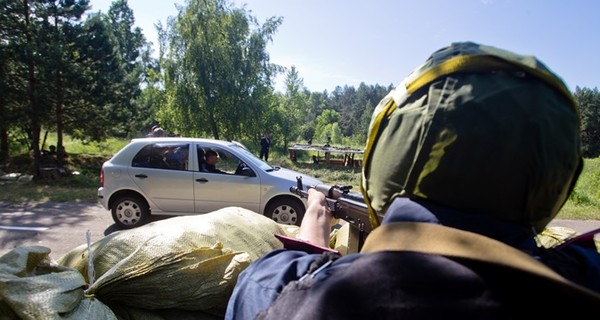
{"type": "Point", "coordinates": [166, 176]}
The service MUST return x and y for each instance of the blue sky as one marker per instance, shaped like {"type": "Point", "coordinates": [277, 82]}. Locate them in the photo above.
{"type": "Point", "coordinates": [346, 42]}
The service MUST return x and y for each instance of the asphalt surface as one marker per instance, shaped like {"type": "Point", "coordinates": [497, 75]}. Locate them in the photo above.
{"type": "Point", "coordinates": [62, 227]}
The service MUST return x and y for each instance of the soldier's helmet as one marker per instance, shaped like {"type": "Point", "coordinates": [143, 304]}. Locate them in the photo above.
{"type": "Point", "coordinates": [478, 129]}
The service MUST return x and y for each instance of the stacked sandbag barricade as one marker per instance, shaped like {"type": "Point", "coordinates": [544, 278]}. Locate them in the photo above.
{"type": "Point", "coordinates": [178, 268]}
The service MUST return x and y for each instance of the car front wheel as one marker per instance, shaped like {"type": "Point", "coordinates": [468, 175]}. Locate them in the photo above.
{"type": "Point", "coordinates": [285, 211]}
{"type": "Point", "coordinates": [130, 212]}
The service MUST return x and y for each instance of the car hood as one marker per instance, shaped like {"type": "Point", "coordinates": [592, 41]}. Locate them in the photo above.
{"type": "Point", "coordinates": [292, 175]}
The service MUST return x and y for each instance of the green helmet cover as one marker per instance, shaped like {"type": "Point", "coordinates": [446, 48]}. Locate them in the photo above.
{"type": "Point", "coordinates": [478, 129]}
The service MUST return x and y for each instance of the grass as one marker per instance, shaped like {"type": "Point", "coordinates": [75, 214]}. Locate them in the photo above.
{"type": "Point", "coordinates": [81, 186]}
{"type": "Point", "coordinates": [86, 159]}
{"type": "Point", "coordinates": [584, 202]}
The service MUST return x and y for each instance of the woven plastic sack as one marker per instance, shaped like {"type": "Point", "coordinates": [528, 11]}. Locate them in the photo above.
{"type": "Point", "coordinates": [32, 286]}
{"type": "Point", "coordinates": [557, 236]}
{"type": "Point", "coordinates": [182, 263]}
{"type": "Point", "coordinates": [553, 236]}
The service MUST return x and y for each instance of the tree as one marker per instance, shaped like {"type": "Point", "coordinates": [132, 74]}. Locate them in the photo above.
{"type": "Point", "coordinates": [61, 22]}
{"type": "Point", "coordinates": [22, 40]}
{"type": "Point", "coordinates": [316, 104]}
{"type": "Point", "coordinates": [328, 129]}
{"type": "Point", "coordinates": [137, 63]}
{"type": "Point", "coordinates": [292, 105]}
{"type": "Point", "coordinates": [112, 56]}
{"type": "Point", "coordinates": [589, 108]}
{"type": "Point", "coordinates": [55, 70]}
{"type": "Point", "coordinates": [217, 75]}
{"type": "Point", "coordinates": [362, 127]}
{"type": "Point", "coordinates": [13, 74]}
{"type": "Point", "coordinates": [99, 74]}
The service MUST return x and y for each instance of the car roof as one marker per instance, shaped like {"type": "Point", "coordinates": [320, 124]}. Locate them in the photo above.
{"type": "Point", "coordinates": [182, 139]}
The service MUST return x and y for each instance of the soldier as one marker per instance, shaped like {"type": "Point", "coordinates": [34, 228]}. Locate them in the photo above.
{"type": "Point", "coordinates": [469, 158]}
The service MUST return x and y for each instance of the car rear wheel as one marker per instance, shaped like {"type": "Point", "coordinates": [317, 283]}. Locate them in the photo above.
{"type": "Point", "coordinates": [130, 212]}
{"type": "Point", "coordinates": [285, 211]}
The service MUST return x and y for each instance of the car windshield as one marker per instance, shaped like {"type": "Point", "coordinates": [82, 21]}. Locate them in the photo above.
{"type": "Point", "coordinates": [254, 159]}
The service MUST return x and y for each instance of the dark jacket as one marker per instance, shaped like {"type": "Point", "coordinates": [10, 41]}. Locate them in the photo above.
{"type": "Point", "coordinates": [210, 168]}
{"type": "Point", "coordinates": [265, 142]}
{"type": "Point", "coordinates": [411, 285]}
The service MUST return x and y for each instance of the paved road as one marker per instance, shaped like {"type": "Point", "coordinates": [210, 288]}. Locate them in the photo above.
{"type": "Point", "coordinates": [58, 226]}
{"type": "Point", "coordinates": [63, 226]}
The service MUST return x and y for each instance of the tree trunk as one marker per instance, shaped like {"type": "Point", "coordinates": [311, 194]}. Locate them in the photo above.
{"type": "Point", "coordinates": [35, 128]}
{"type": "Point", "coordinates": [3, 144]}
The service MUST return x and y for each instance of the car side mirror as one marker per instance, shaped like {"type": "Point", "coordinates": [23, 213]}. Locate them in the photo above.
{"type": "Point", "coordinates": [247, 172]}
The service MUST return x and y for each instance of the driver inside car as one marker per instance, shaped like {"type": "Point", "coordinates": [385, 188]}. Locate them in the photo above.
{"type": "Point", "coordinates": [210, 165]}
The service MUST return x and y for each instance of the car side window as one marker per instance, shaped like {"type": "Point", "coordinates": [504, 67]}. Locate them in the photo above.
{"type": "Point", "coordinates": [162, 156]}
{"type": "Point", "coordinates": [226, 162]}
{"type": "Point", "coordinates": [148, 157]}
{"type": "Point", "coordinates": [176, 156]}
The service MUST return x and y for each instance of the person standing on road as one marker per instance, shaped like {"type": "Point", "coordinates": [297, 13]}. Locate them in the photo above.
{"type": "Point", "coordinates": [265, 144]}
{"type": "Point", "coordinates": [468, 159]}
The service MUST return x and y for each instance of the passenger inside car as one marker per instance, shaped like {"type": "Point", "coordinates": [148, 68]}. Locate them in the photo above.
{"type": "Point", "coordinates": [177, 158]}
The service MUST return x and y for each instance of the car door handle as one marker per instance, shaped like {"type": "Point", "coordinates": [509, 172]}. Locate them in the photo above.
{"type": "Point", "coordinates": [141, 175]}
{"type": "Point", "coordinates": [202, 180]}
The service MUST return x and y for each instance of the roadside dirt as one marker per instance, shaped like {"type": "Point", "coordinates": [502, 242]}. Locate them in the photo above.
{"type": "Point", "coordinates": [62, 227]}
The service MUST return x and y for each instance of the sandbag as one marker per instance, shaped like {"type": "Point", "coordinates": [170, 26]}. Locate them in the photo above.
{"type": "Point", "coordinates": [556, 236]}
{"type": "Point", "coordinates": [184, 263]}
{"type": "Point", "coordinates": [553, 236]}
{"type": "Point", "coordinates": [32, 286]}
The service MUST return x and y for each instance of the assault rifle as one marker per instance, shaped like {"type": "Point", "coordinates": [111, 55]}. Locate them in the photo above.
{"type": "Point", "coordinates": [345, 205]}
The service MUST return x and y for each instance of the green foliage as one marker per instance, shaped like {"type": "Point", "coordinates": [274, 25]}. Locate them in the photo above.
{"type": "Point", "coordinates": [584, 202]}
{"type": "Point", "coordinates": [79, 78]}
{"type": "Point", "coordinates": [78, 188]}
{"type": "Point", "coordinates": [589, 107]}
{"type": "Point", "coordinates": [105, 148]}
{"type": "Point", "coordinates": [133, 53]}
{"type": "Point", "coordinates": [290, 108]}
{"type": "Point", "coordinates": [217, 74]}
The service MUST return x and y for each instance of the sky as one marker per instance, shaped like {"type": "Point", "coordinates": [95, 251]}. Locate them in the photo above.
{"type": "Point", "coordinates": [348, 42]}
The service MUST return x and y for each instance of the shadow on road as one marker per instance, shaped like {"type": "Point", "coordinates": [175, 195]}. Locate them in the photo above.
{"type": "Point", "coordinates": [56, 225]}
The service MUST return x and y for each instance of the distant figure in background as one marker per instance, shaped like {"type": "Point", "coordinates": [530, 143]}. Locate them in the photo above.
{"type": "Point", "coordinates": [265, 143]}
{"type": "Point", "coordinates": [61, 160]}
{"type": "Point", "coordinates": [63, 151]}
{"type": "Point", "coordinates": [156, 131]}
{"type": "Point", "coordinates": [151, 133]}
{"type": "Point", "coordinates": [49, 156]}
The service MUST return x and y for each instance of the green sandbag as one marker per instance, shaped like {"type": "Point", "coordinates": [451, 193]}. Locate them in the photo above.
{"type": "Point", "coordinates": [32, 286]}
{"type": "Point", "coordinates": [185, 263]}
